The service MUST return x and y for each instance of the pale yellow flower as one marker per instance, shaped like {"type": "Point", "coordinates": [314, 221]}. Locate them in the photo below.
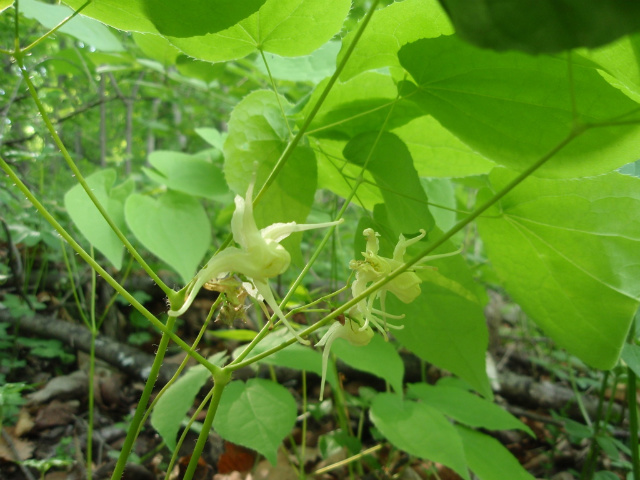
{"type": "Point", "coordinates": [349, 330]}
{"type": "Point", "coordinates": [259, 257]}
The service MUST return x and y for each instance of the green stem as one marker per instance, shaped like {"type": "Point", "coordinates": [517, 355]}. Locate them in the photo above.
{"type": "Point", "coordinates": [633, 411]}
{"type": "Point", "coordinates": [80, 178]}
{"type": "Point", "coordinates": [92, 370]}
{"type": "Point", "coordinates": [275, 91]}
{"type": "Point", "coordinates": [55, 29]}
{"type": "Point", "coordinates": [334, 78]}
{"type": "Point", "coordinates": [455, 229]}
{"type": "Point", "coordinates": [102, 272]}
{"type": "Point", "coordinates": [138, 416]}
{"type": "Point", "coordinates": [589, 464]}
{"type": "Point", "coordinates": [220, 382]}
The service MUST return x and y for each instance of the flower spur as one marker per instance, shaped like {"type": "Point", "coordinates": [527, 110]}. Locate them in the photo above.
{"type": "Point", "coordinates": [259, 257]}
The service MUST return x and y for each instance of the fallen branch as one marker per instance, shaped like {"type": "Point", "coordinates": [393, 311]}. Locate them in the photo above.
{"type": "Point", "coordinates": [124, 357]}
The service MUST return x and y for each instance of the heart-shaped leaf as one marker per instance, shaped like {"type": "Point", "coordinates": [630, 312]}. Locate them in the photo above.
{"type": "Point", "coordinates": [89, 220]}
{"type": "Point", "coordinates": [173, 227]}
{"type": "Point", "coordinates": [258, 414]}
{"type": "Point", "coordinates": [419, 430]}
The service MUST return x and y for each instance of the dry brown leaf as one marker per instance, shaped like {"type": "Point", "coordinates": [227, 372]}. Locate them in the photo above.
{"type": "Point", "coordinates": [10, 445]}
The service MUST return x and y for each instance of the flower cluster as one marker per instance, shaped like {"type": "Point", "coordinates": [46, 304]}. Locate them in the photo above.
{"type": "Point", "coordinates": [258, 258]}
{"type": "Point", "coordinates": [374, 267]}
{"type": "Point", "coordinates": [406, 287]}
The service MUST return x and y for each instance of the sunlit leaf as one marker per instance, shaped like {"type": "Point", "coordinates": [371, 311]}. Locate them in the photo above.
{"type": "Point", "coordinates": [568, 251]}
{"type": "Point", "coordinates": [389, 29]}
{"type": "Point", "coordinates": [285, 27]}
{"type": "Point", "coordinates": [85, 29]}
{"type": "Point", "coordinates": [514, 108]}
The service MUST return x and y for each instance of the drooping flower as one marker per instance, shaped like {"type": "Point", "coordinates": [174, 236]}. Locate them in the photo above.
{"type": "Point", "coordinates": [350, 330]}
{"type": "Point", "coordinates": [259, 256]}
{"type": "Point", "coordinates": [406, 286]}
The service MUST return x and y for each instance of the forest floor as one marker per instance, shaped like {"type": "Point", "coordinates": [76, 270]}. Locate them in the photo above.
{"type": "Point", "coordinates": [45, 410]}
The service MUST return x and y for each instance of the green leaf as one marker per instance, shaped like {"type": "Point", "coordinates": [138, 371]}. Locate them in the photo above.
{"type": "Point", "coordinates": [173, 406]}
{"type": "Point", "coordinates": [542, 26]}
{"type": "Point", "coordinates": [514, 108]}
{"type": "Point", "coordinates": [445, 325]}
{"type": "Point", "coordinates": [568, 252]}
{"type": "Point", "coordinates": [189, 18]}
{"type": "Point", "coordinates": [620, 61]}
{"type": "Point", "coordinates": [436, 152]}
{"type": "Point", "coordinates": [631, 356]}
{"type": "Point", "coordinates": [126, 15]}
{"type": "Point", "coordinates": [435, 440]}
{"type": "Point", "coordinates": [285, 27]}
{"type": "Point", "coordinates": [212, 136]}
{"type": "Point", "coordinates": [258, 134]}
{"type": "Point", "coordinates": [367, 102]}
{"type": "Point", "coordinates": [194, 175]}
{"type": "Point", "coordinates": [173, 227]}
{"type": "Point", "coordinates": [88, 219]}
{"type": "Point", "coordinates": [257, 415]}
{"type": "Point", "coordinates": [464, 407]}
{"type": "Point", "coordinates": [296, 356]}
{"type": "Point", "coordinates": [391, 165]}
{"type": "Point", "coordinates": [379, 358]}
{"type": "Point", "coordinates": [488, 458]}
{"type": "Point", "coordinates": [388, 30]}
{"type": "Point", "coordinates": [4, 4]}
{"type": "Point", "coordinates": [156, 47]}
{"type": "Point", "coordinates": [309, 68]}
{"type": "Point", "coordinates": [84, 29]}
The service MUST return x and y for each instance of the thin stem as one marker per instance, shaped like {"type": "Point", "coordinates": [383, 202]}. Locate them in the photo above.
{"type": "Point", "coordinates": [275, 91]}
{"type": "Point", "coordinates": [220, 382]}
{"type": "Point", "coordinates": [138, 416]}
{"type": "Point", "coordinates": [292, 145]}
{"type": "Point", "coordinates": [632, 406]}
{"type": "Point", "coordinates": [102, 272]}
{"type": "Point", "coordinates": [589, 464]}
{"type": "Point", "coordinates": [455, 229]}
{"type": "Point", "coordinates": [55, 29]}
{"type": "Point", "coordinates": [92, 369]}
{"type": "Point", "coordinates": [80, 178]}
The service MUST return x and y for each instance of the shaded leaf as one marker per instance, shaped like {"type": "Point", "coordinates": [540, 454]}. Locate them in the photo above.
{"type": "Point", "coordinates": [173, 227]}
{"type": "Point", "coordinates": [436, 440]}
{"type": "Point", "coordinates": [379, 358]}
{"type": "Point", "coordinates": [189, 18]}
{"type": "Point", "coordinates": [257, 415]}
{"type": "Point", "coordinates": [391, 165]}
{"type": "Point", "coordinates": [464, 407]}
{"type": "Point", "coordinates": [194, 175]}
{"type": "Point", "coordinates": [489, 459]}
{"type": "Point", "coordinates": [172, 408]}
{"type": "Point", "coordinates": [542, 26]}
{"type": "Point", "coordinates": [89, 220]}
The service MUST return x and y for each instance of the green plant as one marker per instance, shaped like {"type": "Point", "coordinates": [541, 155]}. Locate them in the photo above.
{"type": "Point", "coordinates": [408, 99]}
